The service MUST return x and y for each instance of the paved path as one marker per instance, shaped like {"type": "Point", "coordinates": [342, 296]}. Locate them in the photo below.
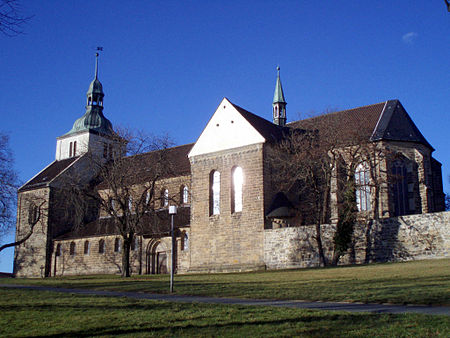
{"type": "Point", "coordinates": [353, 307]}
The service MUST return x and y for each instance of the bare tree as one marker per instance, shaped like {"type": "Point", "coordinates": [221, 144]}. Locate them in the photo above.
{"type": "Point", "coordinates": [36, 212]}
{"type": "Point", "coordinates": [304, 169]}
{"type": "Point", "coordinates": [125, 187]}
{"type": "Point", "coordinates": [11, 18]}
{"type": "Point", "coordinates": [317, 160]}
{"type": "Point", "coordinates": [8, 186]}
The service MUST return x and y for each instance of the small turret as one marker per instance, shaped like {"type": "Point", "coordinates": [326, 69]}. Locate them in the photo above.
{"type": "Point", "coordinates": [279, 103]}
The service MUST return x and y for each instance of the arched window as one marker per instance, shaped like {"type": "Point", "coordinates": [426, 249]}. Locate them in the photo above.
{"type": "Point", "coordinates": [70, 149]}
{"type": "Point", "coordinates": [113, 204]}
{"type": "Point", "coordinates": [87, 248]}
{"type": "Point", "coordinates": [237, 179]}
{"type": "Point", "coordinates": [185, 242]}
{"type": "Point", "coordinates": [33, 214]}
{"type": "Point", "coordinates": [214, 193]}
{"type": "Point", "coordinates": [72, 249]}
{"type": "Point", "coordinates": [58, 250]}
{"type": "Point", "coordinates": [135, 244]}
{"type": "Point", "coordinates": [101, 246]}
{"type": "Point", "coordinates": [184, 194]}
{"type": "Point", "coordinates": [147, 197]}
{"type": "Point", "coordinates": [399, 188]}
{"type": "Point", "coordinates": [117, 245]}
{"type": "Point", "coordinates": [362, 183]}
{"type": "Point", "coordinates": [164, 198]}
{"type": "Point", "coordinates": [75, 148]}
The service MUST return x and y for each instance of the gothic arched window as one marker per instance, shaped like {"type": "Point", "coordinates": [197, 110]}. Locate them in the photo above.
{"type": "Point", "coordinates": [237, 180]}
{"type": "Point", "coordinates": [184, 194]}
{"type": "Point", "coordinates": [362, 183]}
{"type": "Point", "coordinates": [399, 188]}
{"type": "Point", "coordinates": [214, 193]}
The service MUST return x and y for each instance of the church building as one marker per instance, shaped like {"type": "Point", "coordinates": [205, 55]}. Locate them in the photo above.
{"type": "Point", "coordinates": [232, 214]}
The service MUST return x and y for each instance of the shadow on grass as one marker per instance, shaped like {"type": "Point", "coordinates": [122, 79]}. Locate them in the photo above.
{"type": "Point", "coordinates": [330, 325]}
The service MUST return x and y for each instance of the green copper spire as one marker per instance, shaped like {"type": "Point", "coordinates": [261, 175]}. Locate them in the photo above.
{"type": "Point", "coordinates": [93, 119]}
{"type": "Point", "coordinates": [278, 96]}
{"type": "Point", "coordinates": [279, 103]}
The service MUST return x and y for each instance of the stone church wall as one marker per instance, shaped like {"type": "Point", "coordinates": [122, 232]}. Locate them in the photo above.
{"type": "Point", "coordinates": [30, 258]}
{"type": "Point", "coordinates": [410, 237]}
{"type": "Point", "coordinates": [92, 262]}
{"type": "Point", "coordinates": [228, 241]}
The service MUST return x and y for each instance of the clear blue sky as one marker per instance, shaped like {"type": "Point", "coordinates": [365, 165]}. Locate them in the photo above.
{"type": "Point", "coordinates": [167, 64]}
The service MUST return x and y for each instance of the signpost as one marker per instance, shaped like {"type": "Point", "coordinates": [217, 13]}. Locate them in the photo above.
{"type": "Point", "coordinates": [172, 212]}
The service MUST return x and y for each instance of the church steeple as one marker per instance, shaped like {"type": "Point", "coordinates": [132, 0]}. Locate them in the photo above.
{"type": "Point", "coordinates": [279, 103]}
{"type": "Point", "coordinates": [93, 119]}
{"type": "Point", "coordinates": [92, 131]}
{"type": "Point", "coordinates": [95, 92]}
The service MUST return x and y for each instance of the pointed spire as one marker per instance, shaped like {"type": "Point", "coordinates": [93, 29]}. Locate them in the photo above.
{"type": "Point", "coordinates": [95, 88]}
{"type": "Point", "coordinates": [279, 103]}
{"type": "Point", "coordinates": [96, 65]}
{"type": "Point", "coordinates": [278, 96]}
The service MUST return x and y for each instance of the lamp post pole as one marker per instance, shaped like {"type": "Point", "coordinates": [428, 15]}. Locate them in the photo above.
{"type": "Point", "coordinates": [172, 212]}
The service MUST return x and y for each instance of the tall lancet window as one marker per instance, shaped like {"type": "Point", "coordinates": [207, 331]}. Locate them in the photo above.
{"type": "Point", "coordinates": [362, 182]}
{"type": "Point", "coordinates": [184, 192]}
{"type": "Point", "coordinates": [400, 188]}
{"type": "Point", "coordinates": [214, 193]}
{"type": "Point", "coordinates": [236, 189]}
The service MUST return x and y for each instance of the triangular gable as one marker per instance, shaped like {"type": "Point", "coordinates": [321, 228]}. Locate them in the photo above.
{"type": "Point", "coordinates": [395, 124]}
{"type": "Point", "coordinates": [227, 129]}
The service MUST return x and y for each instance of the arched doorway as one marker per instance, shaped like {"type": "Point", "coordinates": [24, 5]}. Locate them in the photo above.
{"type": "Point", "coordinates": [157, 257]}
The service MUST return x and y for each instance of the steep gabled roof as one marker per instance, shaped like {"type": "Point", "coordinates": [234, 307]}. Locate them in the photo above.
{"type": "Point", "coordinates": [268, 130]}
{"type": "Point", "coordinates": [48, 174]}
{"type": "Point", "coordinates": [344, 124]}
{"type": "Point", "coordinates": [381, 121]}
{"type": "Point", "coordinates": [395, 124]}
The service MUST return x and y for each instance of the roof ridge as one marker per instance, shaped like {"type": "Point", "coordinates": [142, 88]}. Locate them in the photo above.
{"type": "Point", "coordinates": [340, 111]}
{"type": "Point", "coordinates": [156, 150]}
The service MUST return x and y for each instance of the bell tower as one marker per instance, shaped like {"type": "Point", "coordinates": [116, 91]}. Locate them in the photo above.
{"type": "Point", "coordinates": [279, 103]}
{"type": "Point", "coordinates": [91, 132]}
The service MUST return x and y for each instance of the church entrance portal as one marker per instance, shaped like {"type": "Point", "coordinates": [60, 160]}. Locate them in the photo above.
{"type": "Point", "coordinates": [156, 258]}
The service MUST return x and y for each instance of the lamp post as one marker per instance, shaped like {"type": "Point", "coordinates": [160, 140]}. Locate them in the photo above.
{"type": "Point", "coordinates": [172, 212]}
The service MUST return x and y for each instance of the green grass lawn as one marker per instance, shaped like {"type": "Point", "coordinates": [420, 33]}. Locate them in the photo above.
{"type": "Point", "coordinates": [419, 282]}
{"type": "Point", "coordinates": [26, 313]}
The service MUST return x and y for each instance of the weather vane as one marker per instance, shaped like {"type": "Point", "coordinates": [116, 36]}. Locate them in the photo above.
{"type": "Point", "coordinates": [99, 49]}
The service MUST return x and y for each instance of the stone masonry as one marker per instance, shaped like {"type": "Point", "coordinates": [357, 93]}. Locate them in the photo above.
{"type": "Point", "coordinates": [228, 241]}
{"type": "Point", "coordinates": [409, 237]}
